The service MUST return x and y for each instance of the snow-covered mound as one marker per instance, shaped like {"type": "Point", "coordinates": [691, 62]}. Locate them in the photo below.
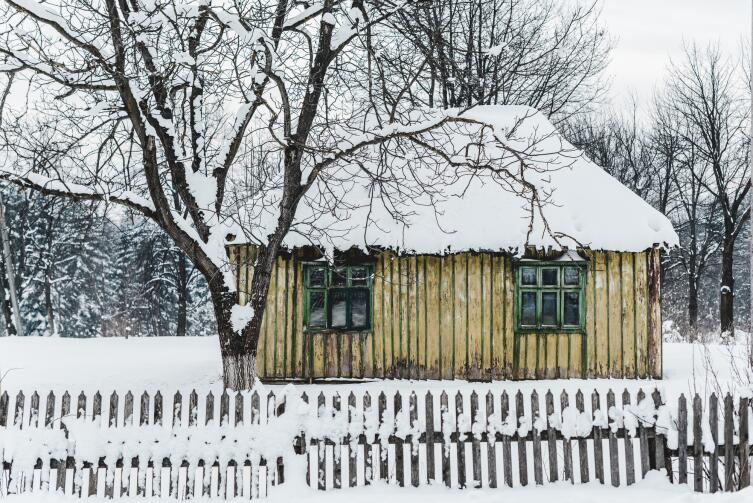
{"type": "Point", "coordinates": [458, 206]}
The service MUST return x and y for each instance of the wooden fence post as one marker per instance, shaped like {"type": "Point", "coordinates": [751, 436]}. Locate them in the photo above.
{"type": "Point", "coordinates": [643, 437]}
{"type": "Point", "coordinates": [551, 437]}
{"type": "Point", "coordinates": [337, 447]}
{"type": "Point", "coordinates": [475, 443]}
{"type": "Point", "coordinates": [460, 439]}
{"type": "Point", "coordinates": [399, 459]}
{"type": "Point", "coordinates": [629, 456]}
{"type": "Point", "coordinates": [682, 440]}
{"type": "Point", "coordinates": [743, 450]}
{"type": "Point", "coordinates": [714, 455]}
{"type": "Point", "coordinates": [504, 413]}
{"type": "Point", "coordinates": [729, 447]}
{"type": "Point", "coordinates": [430, 464]}
{"type": "Point", "coordinates": [614, 466]}
{"type": "Point", "coordinates": [538, 475]}
{"type": "Point", "coordinates": [65, 409]}
{"type": "Point", "coordinates": [598, 440]}
{"type": "Point", "coordinates": [383, 466]}
{"type": "Point", "coordinates": [522, 455]}
{"type": "Point", "coordinates": [321, 448]}
{"type": "Point", "coordinates": [491, 441]}
{"type": "Point", "coordinates": [414, 441]}
{"type": "Point", "coordinates": [444, 412]}
{"type": "Point", "coordinates": [353, 444]}
{"type": "Point", "coordinates": [368, 449]}
{"type": "Point", "coordinates": [660, 454]}
{"type": "Point", "coordinates": [697, 445]}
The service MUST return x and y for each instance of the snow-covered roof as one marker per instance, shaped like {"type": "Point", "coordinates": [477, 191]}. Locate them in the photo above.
{"type": "Point", "coordinates": [581, 203]}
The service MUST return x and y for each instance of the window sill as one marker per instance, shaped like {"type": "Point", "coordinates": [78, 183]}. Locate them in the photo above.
{"type": "Point", "coordinates": [336, 331]}
{"type": "Point", "coordinates": [551, 330]}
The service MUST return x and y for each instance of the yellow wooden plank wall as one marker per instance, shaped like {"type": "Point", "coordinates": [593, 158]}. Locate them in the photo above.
{"type": "Point", "coordinates": [452, 317]}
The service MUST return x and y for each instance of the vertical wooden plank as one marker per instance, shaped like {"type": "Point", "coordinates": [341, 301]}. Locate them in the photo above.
{"type": "Point", "coordinates": [460, 341]}
{"type": "Point", "coordinates": [729, 443]}
{"type": "Point", "coordinates": [475, 443]}
{"type": "Point", "coordinates": [589, 346]}
{"type": "Point", "coordinates": [541, 356]}
{"type": "Point", "coordinates": [238, 408]}
{"type": "Point", "coordinates": [264, 338]}
{"type": "Point", "coordinates": [487, 315]}
{"type": "Point", "coordinates": [508, 313]}
{"type": "Point", "coordinates": [49, 414]}
{"type": "Point", "coordinates": [714, 455]}
{"type": "Point", "coordinates": [389, 315]}
{"type": "Point", "coordinates": [576, 369]}
{"type": "Point", "coordinates": [337, 458]}
{"type": "Point", "coordinates": [614, 465]}
{"type": "Point", "coordinates": [682, 440]}
{"type": "Point", "coordinates": [660, 440]}
{"type": "Point", "coordinates": [383, 466]}
{"type": "Point", "coordinates": [446, 326]}
{"type": "Point", "coordinates": [551, 438]}
{"type": "Point", "coordinates": [431, 310]}
{"type": "Point", "coordinates": [376, 341]}
{"type": "Point", "coordinates": [643, 438]}
{"type": "Point", "coordinates": [532, 355]}
{"type": "Point", "coordinates": [414, 442]}
{"type": "Point", "coordinates": [332, 344]}
{"type": "Point", "coordinates": [368, 453]}
{"type": "Point", "coordinates": [615, 314]}
{"type": "Point", "coordinates": [491, 450]}
{"type": "Point", "coordinates": [601, 315]}
{"type": "Point", "coordinates": [628, 315]}
{"type": "Point", "coordinates": [552, 369]}
{"type": "Point", "coordinates": [504, 414]}
{"type": "Point", "coordinates": [4, 409]}
{"type": "Point", "coordinates": [563, 355]}
{"type": "Point", "coordinates": [318, 363]}
{"type": "Point", "coordinates": [410, 322]}
{"type": "Point", "coordinates": [402, 348]}
{"type": "Point", "coordinates": [697, 446]}
{"type": "Point", "coordinates": [654, 314]}
{"type": "Point", "coordinates": [299, 345]}
{"type": "Point", "coordinates": [444, 412]}
{"type": "Point", "coordinates": [461, 440]}
{"type": "Point", "coordinates": [416, 313]}
{"type": "Point", "coordinates": [567, 448]}
{"type": "Point", "coordinates": [475, 307]}
{"type": "Point", "coordinates": [277, 322]}
{"type": "Point", "coordinates": [743, 451]}
{"type": "Point", "coordinates": [522, 455]}
{"type": "Point", "coordinates": [321, 448]}
{"type": "Point", "coordinates": [284, 316]}
{"type": "Point", "coordinates": [353, 443]}
{"type": "Point", "coordinates": [582, 444]}
{"type": "Point", "coordinates": [641, 315]}
{"type": "Point", "coordinates": [429, 421]}
{"type": "Point", "coordinates": [538, 472]}
{"type": "Point", "coordinates": [399, 455]}
{"type": "Point", "coordinates": [497, 350]}
{"type": "Point", "coordinates": [598, 444]}
{"type": "Point", "coordinates": [629, 457]}
{"type": "Point", "coordinates": [34, 410]}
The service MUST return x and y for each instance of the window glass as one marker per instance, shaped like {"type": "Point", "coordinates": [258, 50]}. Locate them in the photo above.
{"type": "Point", "coordinates": [571, 313]}
{"type": "Point", "coordinates": [338, 308]}
{"type": "Point", "coordinates": [550, 277]}
{"type": "Point", "coordinates": [339, 276]}
{"type": "Point", "coordinates": [549, 309]}
{"type": "Point", "coordinates": [359, 308]}
{"type": "Point", "coordinates": [317, 276]}
{"type": "Point", "coordinates": [359, 276]}
{"type": "Point", "coordinates": [316, 309]}
{"type": "Point", "coordinates": [528, 308]}
{"type": "Point", "coordinates": [571, 276]}
{"type": "Point", "coordinates": [528, 276]}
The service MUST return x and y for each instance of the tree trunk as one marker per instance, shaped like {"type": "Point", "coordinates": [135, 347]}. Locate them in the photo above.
{"type": "Point", "coordinates": [726, 299]}
{"type": "Point", "coordinates": [48, 304]}
{"type": "Point", "coordinates": [693, 308]}
{"type": "Point", "coordinates": [10, 328]}
{"type": "Point", "coordinates": [182, 295]}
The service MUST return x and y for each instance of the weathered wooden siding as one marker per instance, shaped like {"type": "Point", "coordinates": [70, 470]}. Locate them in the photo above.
{"type": "Point", "coordinates": [453, 317]}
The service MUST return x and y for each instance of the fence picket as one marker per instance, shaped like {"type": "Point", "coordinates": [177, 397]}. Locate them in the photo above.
{"type": "Point", "coordinates": [551, 437]}
{"type": "Point", "coordinates": [567, 446]}
{"type": "Point", "coordinates": [321, 448]}
{"type": "Point", "coordinates": [337, 448]}
{"type": "Point", "coordinates": [34, 410]}
{"type": "Point", "coordinates": [413, 442]}
{"type": "Point", "coordinates": [429, 410]}
{"type": "Point", "coordinates": [460, 444]}
{"type": "Point", "coordinates": [614, 467]}
{"type": "Point", "coordinates": [629, 453]}
{"type": "Point", "coordinates": [743, 451]}
{"type": "Point", "coordinates": [353, 445]}
{"type": "Point", "coordinates": [238, 419]}
{"type": "Point", "coordinates": [537, 468]}
{"type": "Point", "coordinates": [643, 437]}
{"type": "Point", "coordinates": [598, 441]}
{"type": "Point", "coordinates": [660, 441]}
{"type": "Point", "coordinates": [682, 440]}
{"type": "Point", "coordinates": [729, 447]}
{"type": "Point", "coordinates": [522, 455]}
{"type": "Point", "coordinates": [368, 450]}
{"type": "Point", "coordinates": [714, 456]}
{"type": "Point", "coordinates": [4, 409]}
{"type": "Point", "coordinates": [475, 443]}
{"type": "Point", "coordinates": [697, 446]}
{"type": "Point", "coordinates": [444, 409]}
{"type": "Point", "coordinates": [491, 447]}
{"type": "Point", "coordinates": [582, 444]}
{"type": "Point", "coordinates": [399, 459]}
{"type": "Point", "coordinates": [383, 467]}
{"type": "Point", "coordinates": [18, 415]}
{"type": "Point", "coordinates": [504, 413]}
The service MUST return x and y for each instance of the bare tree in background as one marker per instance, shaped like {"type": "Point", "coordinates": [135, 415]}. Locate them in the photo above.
{"type": "Point", "coordinates": [705, 91]}
{"type": "Point", "coordinates": [246, 113]}
{"type": "Point", "coordinates": [542, 53]}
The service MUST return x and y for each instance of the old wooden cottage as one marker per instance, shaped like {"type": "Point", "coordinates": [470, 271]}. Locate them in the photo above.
{"type": "Point", "coordinates": [485, 299]}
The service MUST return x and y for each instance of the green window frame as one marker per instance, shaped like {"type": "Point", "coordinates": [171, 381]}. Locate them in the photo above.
{"type": "Point", "coordinates": [337, 298]}
{"type": "Point", "coordinates": [550, 296]}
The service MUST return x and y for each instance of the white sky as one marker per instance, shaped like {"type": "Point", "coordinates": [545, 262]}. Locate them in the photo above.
{"type": "Point", "coordinates": [648, 33]}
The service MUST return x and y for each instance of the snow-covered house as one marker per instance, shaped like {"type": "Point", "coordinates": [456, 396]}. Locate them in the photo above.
{"type": "Point", "coordinates": [476, 286]}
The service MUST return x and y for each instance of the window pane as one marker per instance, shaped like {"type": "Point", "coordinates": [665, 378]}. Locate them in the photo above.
{"type": "Point", "coordinates": [339, 276]}
{"type": "Point", "coordinates": [549, 277]}
{"type": "Point", "coordinates": [316, 310]}
{"type": "Point", "coordinates": [571, 276]}
{"type": "Point", "coordinates": [359, 308]}
{"type": "Point", "coordinates": [359, 276]}
{"type": "Point", "coordinates": [528, 276]}
{"type": "Point", "coordinates": [572, 308]}
{"type": "Point", "coordinates": [317, 276]}
{"type": "Point", "coordinates": [338, 308]}
{"type": "Point", "coordinates": [528, 308]}
{"type": "Point", "coordinates": [549, 308]}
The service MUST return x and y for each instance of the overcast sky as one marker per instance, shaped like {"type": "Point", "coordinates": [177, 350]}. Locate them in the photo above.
{"type": "Point", "coordinates": [648, 32]}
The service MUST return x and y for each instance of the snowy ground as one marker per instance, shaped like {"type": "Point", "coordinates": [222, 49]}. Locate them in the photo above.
{"type": "Point", "coordinates": [169, 363]}
{"type": "Point", "coordinates": [653, 489]}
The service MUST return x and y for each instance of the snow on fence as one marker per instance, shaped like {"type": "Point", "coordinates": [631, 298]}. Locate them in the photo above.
{"type": "Point", "coordinates": [460, 440]}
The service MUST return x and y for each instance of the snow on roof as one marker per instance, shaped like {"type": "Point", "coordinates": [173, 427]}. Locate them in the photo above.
{"type": "Point", "coordinates": [582, 204]}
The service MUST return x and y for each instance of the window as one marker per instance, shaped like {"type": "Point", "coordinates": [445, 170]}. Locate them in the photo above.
{"type": "Point", "coordinates": [550, 296]}
{"type": "Point", "coordinates": [337, 298]}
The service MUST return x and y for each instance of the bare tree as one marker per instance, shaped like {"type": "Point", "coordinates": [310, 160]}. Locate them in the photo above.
{"type": "Point", "coordinates": [705, 92]}
{"type": "Point", "coordinates": [248, 112]}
